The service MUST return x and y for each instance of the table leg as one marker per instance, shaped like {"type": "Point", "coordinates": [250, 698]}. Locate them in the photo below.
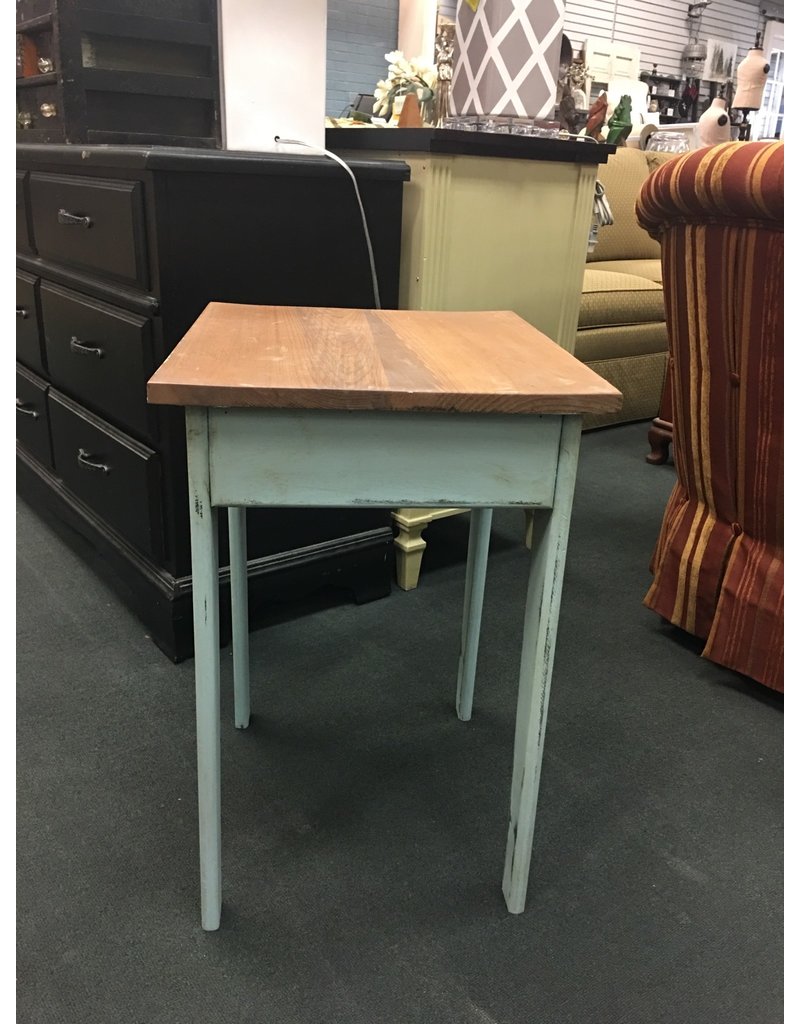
{"type": "Point", "coordinates": [550, 534]}
{"type": "Point", "coordinates": [205, 599]}
{"type": "Point", "coordinates": [480, 529]}
{"type": "Point", "coordinates": [237, 539]}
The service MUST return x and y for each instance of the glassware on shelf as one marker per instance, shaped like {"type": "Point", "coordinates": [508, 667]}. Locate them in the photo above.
{"type": "Point", "coordinates": [668, 142]}
{"type": "Point", "coordinates": [504, 124]}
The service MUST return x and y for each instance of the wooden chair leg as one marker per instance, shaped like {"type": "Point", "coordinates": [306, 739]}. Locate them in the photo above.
{"type": "Point", "coordinates": [659, 437]}
{"type": "Point", "coordinates": [660, 433]}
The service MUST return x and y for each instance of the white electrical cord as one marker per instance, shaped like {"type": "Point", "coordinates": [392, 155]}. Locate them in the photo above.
{"type": "Point", "coordinates": [333, 156]}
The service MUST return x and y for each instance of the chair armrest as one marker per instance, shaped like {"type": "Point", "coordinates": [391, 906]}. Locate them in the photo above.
{"type": "Point", "coordinates": [729, 182]}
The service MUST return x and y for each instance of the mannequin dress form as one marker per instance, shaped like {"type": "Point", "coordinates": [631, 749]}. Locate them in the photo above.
{"type": "Point", "coordinates": [714, 125]}
{"type": "Point", "coordinates": [751, 77]}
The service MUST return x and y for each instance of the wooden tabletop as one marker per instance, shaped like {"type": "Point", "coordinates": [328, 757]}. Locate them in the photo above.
{"type": "Point", "coordinates": [297, 357]}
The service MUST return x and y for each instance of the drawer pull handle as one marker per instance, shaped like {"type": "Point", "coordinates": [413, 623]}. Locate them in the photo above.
{"type": "Point", "coordinates": [27, 409]}
{"type": "Point", "coordinates": [81, 348]}
{"type": "Point", "coordinates": [22, 313]}
{"type": "Point", "coordinates": [48, 109]}
{"type": "Point", "coordinates": [65, 217]}
{"type": "Point", "coordinates": [45, 65]}
{"type": "Point", "coordinates": [88, 461]}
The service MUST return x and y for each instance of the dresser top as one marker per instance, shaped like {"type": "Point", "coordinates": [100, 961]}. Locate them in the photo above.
{"type": "Point", "coordinates": [456, 142]}
{"type": "Point", "coordinates": [178, 159]}
{"type": "Point", "coordinates": [297, 357]}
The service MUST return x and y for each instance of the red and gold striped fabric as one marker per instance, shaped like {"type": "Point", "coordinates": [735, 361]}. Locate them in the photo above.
{"type": "Point", "coordinates": [718, 562]}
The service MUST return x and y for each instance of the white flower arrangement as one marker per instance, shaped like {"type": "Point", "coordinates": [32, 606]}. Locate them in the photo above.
{"type": "Point", "coordinates": [404, 76]}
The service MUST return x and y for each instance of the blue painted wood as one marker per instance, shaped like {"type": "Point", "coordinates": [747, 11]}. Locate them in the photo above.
{"type": "Point", "coordinates": [205, 598]}
{"type": "Point", "coordinates": [330, 458]}
{"type": "Point", "coordinates": [480, 531]}
{"type": "Point", "coordinates": [237, 540]}
{"type": "Point", "coordinates": [550, 535]}
{"type": "Point", "coordinates": [254, 456]}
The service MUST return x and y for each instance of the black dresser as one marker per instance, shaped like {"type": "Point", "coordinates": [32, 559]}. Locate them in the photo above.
{"type": "Point", "coordinates": [118, 71]}
{"type": "Point", "coordinates": [118, 251]}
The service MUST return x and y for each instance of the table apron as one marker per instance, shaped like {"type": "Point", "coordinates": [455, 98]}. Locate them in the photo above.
{"type": "Point", "coordinates": [334, 458]}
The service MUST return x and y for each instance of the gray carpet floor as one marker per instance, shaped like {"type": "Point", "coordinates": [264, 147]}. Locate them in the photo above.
{"type": "Point", "coordinates": [364, 825]}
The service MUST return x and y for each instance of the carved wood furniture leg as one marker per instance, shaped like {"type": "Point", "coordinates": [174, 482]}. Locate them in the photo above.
{"type": "Point", "coordinates": [408, 548]}
{"type": "Point", "coordinates": [659, 437]}
{"type": "Point", "coordinates": [480, 530]}
{"type": "Point", "coordinates": [237, 538]}
{"type": "Point", "coordinates": [205, 602]}
{"type": "Point", "coordinates": [551, 531]}
{"type": "Point", "coordinates": [660, 433]}
{"type": "Point", "coordinates": [409, 544]}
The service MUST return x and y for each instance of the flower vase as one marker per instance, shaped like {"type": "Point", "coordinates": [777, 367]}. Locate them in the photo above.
{"type": "Point", "coordinates": [427, 109]}
{"type": "Point", "coordinates": [397, 107]}
{"type": "Point", "coordinates": [410, 115]}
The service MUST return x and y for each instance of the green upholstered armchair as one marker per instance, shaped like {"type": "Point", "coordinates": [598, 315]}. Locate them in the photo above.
{"type": "Point", "coordinates": [718, 562]}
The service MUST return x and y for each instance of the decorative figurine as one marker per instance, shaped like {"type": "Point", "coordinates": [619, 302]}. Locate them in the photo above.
{"type": "Point", "coordinates": [577, 82]}
{"type": "Point", "coordinates": [567, 114]}
{"type": "Point", "coordinates": [444, 72]}
{"type": "Point", "coordinates": [619, 124]}
{"type": "Point", "coordinates": [597, 117]}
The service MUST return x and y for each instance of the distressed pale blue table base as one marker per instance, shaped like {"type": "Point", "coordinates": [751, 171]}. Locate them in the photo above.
{"type": "Point", "coordinates": [261, 457]}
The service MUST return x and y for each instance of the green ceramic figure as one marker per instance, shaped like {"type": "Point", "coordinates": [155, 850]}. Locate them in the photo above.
{"type": "Point", "coordinates": [619, 124]}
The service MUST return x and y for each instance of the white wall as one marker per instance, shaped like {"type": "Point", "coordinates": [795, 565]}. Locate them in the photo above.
{"type": "Point", "coordinates": [416, 28]}
{"type": "Point", "coordinates": [661, 28]}
{"type": "Point", "coordinates": [272, 70]}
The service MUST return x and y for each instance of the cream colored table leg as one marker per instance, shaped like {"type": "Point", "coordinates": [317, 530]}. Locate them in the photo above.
{"type": "Point", "coordinates": [408, 543]}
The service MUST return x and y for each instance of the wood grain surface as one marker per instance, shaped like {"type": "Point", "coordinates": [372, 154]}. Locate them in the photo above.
{"type": "Point", "coordinates": [296, 357]}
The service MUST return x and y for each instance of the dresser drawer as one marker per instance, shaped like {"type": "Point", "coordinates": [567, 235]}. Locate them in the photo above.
{"type": "Point", "coordinates": [118, 478]}
{"type": "Point", "coordinates": [29, 343]}
{"type": "Point", "coordinates": [97, 223]}
{"type": "Point", "coordinates": [24, 243]}
{"type": "Point", "coordinates": [100, 354]}
{"type": "Point", "coordinates": [33, 427]}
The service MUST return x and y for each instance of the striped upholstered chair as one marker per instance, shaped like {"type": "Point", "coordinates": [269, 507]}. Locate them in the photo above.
{"type": "Point", "coordinates": [718, 562]}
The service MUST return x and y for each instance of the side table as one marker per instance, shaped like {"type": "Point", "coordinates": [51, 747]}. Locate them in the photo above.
{"type": "Point", "coordinates": [305, 406]}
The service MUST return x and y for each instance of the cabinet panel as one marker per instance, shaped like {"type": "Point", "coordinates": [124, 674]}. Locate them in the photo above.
{"type": "Point", "coordinates": [130, 71]}
{"type": "Point", "coordinates": [33, 425]}
{"type": "Point", "coordinates": [29, 344]}
{"type": "Point", "coordinates": [24, 243]}
{"type": "Point", "coordinates": [96, 223]}
{"type": "Point", "coordinates": [99, 353]}
{"type": "Point", "coordinates": [27, 9]}
{"type": "Point", "coordinates": [39, 107]}
{"type": "Point", "coordinates": [118, 478]}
